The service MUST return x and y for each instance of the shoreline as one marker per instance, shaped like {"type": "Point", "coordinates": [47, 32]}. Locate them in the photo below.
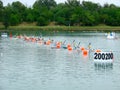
{"type": "Point", "coordinates": [65, 28]}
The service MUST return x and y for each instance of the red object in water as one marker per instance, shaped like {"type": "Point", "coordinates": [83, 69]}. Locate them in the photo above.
{"type": "Point", "coordinates": [68, 45]}
{"type": "Point", "coordinates": [70, 48]}
{"type": "Point", "coordinates": [10, 35]}
{"type": "Point", "coordinates": [85, 52]}
{"type": "Point", "coordinates": [98, 50]}
{"type": "Point", "coordinates": [58, 46]}
{"type": "Point", "coordinates": [82, 48]}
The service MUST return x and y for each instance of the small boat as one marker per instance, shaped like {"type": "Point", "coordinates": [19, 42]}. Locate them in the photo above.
{"type": "Point", "coordinates": [4, 35]}
{"type": "Point", "coordinates": [59, 47]}
{"type": "Point", "coordinates": [111, 35]}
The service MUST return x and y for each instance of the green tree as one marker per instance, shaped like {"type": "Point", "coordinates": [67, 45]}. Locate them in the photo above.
{"type": "Point", "coordinates": [89, 19]}
{"type": "Point", "coordinates": [42, 10]}
{"type": "Point", "coordinates": [118, 16]}
{"type": "Point", "coordinates": [14, 13]}
{"type": "Point", "coordinates": [19, 9]}
{"type": "Point", "coordinates": [73, 3]}
{"type": "Point", "coordinates": [29, 15]}
{"type": "Point", "coordinates": [1, 10]}
{"type": "Point", "coordinates": [14, 19]}
{"type": "Point", "coordinates": [57, 12]}
{"type": "Point", "coordinates": [44, 3]}
{"type": "Point", "coordinates": [29, 18]}
{"type": "Point", "coordinates": [87, 5]}
{"type": "Point", "coordinates": [60, 20]}
{"type": "Point", "coordinates": [1, 4]}
{"type": "Point", "coordinates": [6, 18]}
{"type": "Point", "coordinates": [41, 21]}
{"type": "Point", "coordinates": [109, 14]}
{"type": "Point", "coordinates": [72, 12]}
{"type": "Point", "coordinates": [77, 16]}
{"type": "Point", "coordinates": [64, 15]}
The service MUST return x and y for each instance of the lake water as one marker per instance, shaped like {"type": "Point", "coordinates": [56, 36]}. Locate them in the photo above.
{"type": "Point", "coordinates": [31, 66]}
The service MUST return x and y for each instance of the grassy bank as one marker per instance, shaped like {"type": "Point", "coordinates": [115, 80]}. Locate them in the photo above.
{"type": "Point", "coordinates": [61, 28]}
{"type": "Point", "coordinates": [71, 28]}
{"type": "Point", "coordinates": [1, 26]}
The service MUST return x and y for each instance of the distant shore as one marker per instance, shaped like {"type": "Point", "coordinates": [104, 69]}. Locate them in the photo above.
{"type": "Point", "coordinates": [100, 28]}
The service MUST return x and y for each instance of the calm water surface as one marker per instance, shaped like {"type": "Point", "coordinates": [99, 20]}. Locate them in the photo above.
{"type": "Point", "coordinates": [30, 66]}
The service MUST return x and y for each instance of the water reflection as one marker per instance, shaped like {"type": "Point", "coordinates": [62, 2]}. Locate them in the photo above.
{"type": "Point", "coordinates": [103, 66]}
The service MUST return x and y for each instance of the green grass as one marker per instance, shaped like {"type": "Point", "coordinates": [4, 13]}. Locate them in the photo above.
{"type": "Point", "coordinates": [88, 28]}
{"type": "Point", "coordinates": [72, 28]}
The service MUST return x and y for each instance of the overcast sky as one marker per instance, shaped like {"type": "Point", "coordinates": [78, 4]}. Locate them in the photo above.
{"type": "Point", "coordinates": [31, 2]}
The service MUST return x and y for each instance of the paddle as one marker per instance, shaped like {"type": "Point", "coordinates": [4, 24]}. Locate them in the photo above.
{"type": "Point", "coordinates": [78, 45]}
{"type": "Point", "coordinates": [64, 42]}
{"type": "Point", "coordinates": [73, 41]}
{"type": "Point", "coordinates": [63, 45]}
{"type": "Point", "coordinates": [74, 45]}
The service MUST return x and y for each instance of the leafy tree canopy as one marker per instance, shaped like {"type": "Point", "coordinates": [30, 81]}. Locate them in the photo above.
{"type": "Point", "coordinates": [72, 12]}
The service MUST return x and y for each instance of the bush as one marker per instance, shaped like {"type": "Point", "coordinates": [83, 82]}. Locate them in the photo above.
{"type": "Point", "coordinates": [41, 21]}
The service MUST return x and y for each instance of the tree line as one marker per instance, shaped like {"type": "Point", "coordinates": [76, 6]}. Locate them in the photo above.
{"type": "Point", "coordinates": [70, 13]}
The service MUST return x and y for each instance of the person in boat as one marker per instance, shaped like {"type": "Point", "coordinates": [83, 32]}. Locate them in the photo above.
{"type": "Point", "coordinates": [89, 46]}
{"type": "Point", "coordinates": [74, 45]}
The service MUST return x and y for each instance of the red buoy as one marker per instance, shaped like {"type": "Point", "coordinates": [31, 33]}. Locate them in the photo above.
{"type": "Point", "coordinates": [68, 45]}
{"type": "Point", "coordinates": [82, 48]}
{"type": "Point", "coordinates": [98, 50]}
{"type": "Point", "coordinates": [85, 52]}
{"type": "Point", "coordinates": [69, 48]}
{"type": "Point", "coordinates": [58, 46]}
